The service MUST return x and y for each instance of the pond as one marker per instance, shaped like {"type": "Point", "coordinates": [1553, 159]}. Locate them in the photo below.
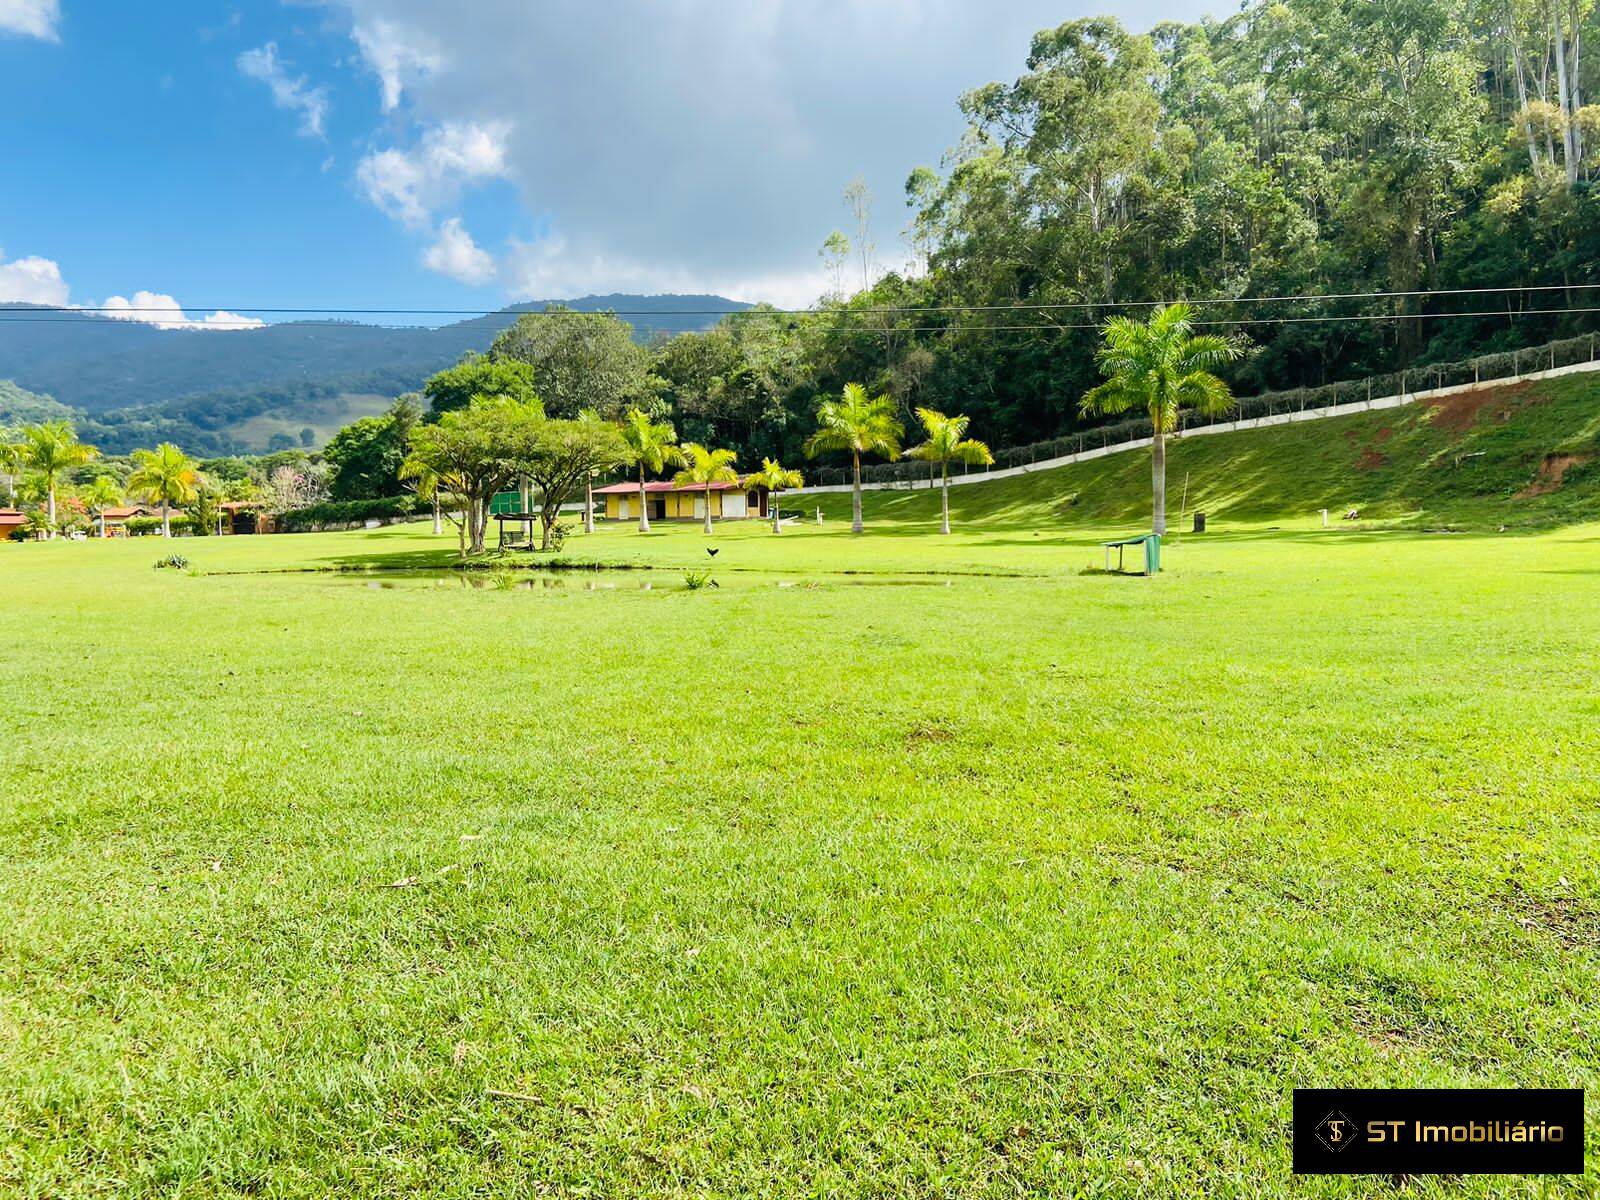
{"type": "Point", "coordinates": [663, 580]}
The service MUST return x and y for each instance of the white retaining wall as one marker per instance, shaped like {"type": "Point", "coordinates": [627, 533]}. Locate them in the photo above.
{"type": "Point", "coordinates": [1284, 418]}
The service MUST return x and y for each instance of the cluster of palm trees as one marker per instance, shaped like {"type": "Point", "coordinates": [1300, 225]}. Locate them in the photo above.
{"type": "Point", "coordinates": [41, 459]}
{"type": "Point", "coordinates": [856, 424]}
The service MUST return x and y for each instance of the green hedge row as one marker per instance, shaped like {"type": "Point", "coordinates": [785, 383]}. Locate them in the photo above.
{"type": "Point", "coordinates": [336, 513]}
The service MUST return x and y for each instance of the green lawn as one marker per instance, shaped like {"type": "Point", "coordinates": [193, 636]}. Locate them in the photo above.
{"type": "Point", "coordinates": [1041, 883]}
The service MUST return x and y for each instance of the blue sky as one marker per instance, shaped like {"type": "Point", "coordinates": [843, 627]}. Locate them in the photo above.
{"type": "Point", "coordinates": [415, 154]}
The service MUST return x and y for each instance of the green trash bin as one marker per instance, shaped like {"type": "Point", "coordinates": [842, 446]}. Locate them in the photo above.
{"type": "Point", "coordinates": [1152, 554]}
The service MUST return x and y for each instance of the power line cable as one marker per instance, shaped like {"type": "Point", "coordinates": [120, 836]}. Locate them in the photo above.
{"type": "Point", "coordinates": [1062, 306]}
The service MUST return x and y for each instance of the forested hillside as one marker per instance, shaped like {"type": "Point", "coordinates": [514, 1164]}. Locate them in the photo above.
{"type": "Point", "coordinates": [1322, 147]}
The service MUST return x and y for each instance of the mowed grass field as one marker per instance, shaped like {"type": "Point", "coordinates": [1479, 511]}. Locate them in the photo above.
{"type": "Point", "coordinates": [1014, 881]}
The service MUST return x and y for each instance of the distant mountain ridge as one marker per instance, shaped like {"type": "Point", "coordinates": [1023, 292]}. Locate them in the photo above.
{"type": "Point", "coordinates": [219, 392]}
{"type": "Point", "coordinates": [99, 364]}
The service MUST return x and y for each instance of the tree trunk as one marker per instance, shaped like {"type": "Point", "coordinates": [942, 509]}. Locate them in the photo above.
{"type": "Point", "coordinates": [476, 521]}
{"type": "Point", "coordinates": [166, 520]}
{"type": "Point", "coordinates": [1522, 103]}
{"type": "Point", "coordinates": [777, 513]}
{"type": "Point", "coordinates": [102, 520]}
{"type": "Point", "coordinates": [1569, 127]}
{"type": "Point", "coordinates": [708, 508]}
{"type": "Point", "coordinates": [855, 497]}
{"type": "Point", "coordinates": [944, 497]}
{"type": "Point", "coordinates": [1158, 482]}
{"type": "Point", "coordinates": [588, 505]}
{"type": "Point", "coordinates": [52, 508]}
{"type": "Point", "coordinates": [644, 509]}
{"type": "Point", "coordinates": [438, 526]}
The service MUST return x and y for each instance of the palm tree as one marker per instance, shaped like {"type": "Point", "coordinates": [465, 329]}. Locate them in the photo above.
{"type": "Point", "coordinates": [101, 494]}
{"type": "Point", "coordinates": [947, 443]}
{"type": "Point", "coordinates": [705, 468]}
{"type": "Point", "coordinates": [1161, 366]}
{"type": "Point", "coordinates": [51, 448]}
{"type": "Point", "coordinates": [653, 447]}
{"type": "Point", "coordinates": [166, 475]}
{"type": "Point", "coordinates": [861, 426]}
{"type": "Point", "coordinates": [11, 463]}
{"type": "Point", "coordinates": [775, 477]}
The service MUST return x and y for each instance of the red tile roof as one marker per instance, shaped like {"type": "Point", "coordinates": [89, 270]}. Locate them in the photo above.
{"type": "Point", "coordinates": [12, 518]}
{"type": "Point", "coordinates": [665, 485]}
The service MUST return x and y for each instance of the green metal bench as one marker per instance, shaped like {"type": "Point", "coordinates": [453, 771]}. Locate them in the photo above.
{"type": "Point", "coordinates": [1152, 551]}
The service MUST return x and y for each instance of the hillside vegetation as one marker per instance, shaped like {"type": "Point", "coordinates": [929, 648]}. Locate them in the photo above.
{"type": "Point", "coordinates": [1523, 455]}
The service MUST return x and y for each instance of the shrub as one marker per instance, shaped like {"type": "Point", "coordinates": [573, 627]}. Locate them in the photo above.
{"type": "Point", "coordinates": [181, 523]}
{"type": "Point", "coordinates": [338, 513]}
{"type": "Point", "coordinates": [175, 562]}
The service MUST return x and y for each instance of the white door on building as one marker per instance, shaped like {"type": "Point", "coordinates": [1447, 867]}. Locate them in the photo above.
{"type": "Point", "coordinates": [733, 504]}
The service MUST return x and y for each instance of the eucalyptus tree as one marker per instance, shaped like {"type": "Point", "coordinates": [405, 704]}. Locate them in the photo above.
{"type": "Point", "coordinates": [706, 467]}
{"type": "Point", "coordinates": [856, 424]}
{"type": "Point", "coordinates": [947, 443]}
{"type": "Point", "coordinates": [776, 478]}
{"type": "Point", "coordinates": [164, 476]}
{"type": "Point", "coordinates": [1161, 366]}
{"type": "Point", "coordinates": [652, 448]}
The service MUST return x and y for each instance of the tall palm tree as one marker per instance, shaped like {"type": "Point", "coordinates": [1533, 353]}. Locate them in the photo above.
{"type": "Point", "coordinates": [860, 425]}
{"type": "Point", "coordinates": [102, 492]}
{"type": "Point", "coordinates": [1161, 366]}
{"type": "Point", "coordinates": [166, 475]}
{"type": "Point", "coordinates": [775, 477]}
{"type": "Point", "coordinates": [11, 464]}
{"type": "Point", "coordinates": [947, 443]}
{"type": "Point", "coordinates": [50, 449]}
{"type": "Point", "coordinates": [653, 446]}
{"type": "Point", "coordinates": [705, 468]}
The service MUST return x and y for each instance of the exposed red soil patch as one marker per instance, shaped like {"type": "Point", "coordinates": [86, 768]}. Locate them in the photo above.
{"type": "Point", "coordinates": [1460, 412]}
{"type": "Point", "coordinates": [1370, 460]}
{"type": "Point", "coordinates": [1551, 472]}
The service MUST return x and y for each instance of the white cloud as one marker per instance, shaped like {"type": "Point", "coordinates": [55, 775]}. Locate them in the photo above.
{"type": "Point", "coordinates": [31, 18]}
{"type": "Point", "coordinates": [288, 92]}
{"type": "Point", "coordinates": [456, 255]}
{"type": "Point", "coordinates": [395, 54]}
{"type": "Point", "coordinates": [707, 148]}
{"type": "Point", "coordinates": [410, 185]}
{"type": "Point", "coordinates": [556, 268]}
{"type": "Point", "coordinates": [35, 280]}
{"type": "Point", "coordinates": [31, 280]}
{"type": "Point", "coordinates": [164, 312]}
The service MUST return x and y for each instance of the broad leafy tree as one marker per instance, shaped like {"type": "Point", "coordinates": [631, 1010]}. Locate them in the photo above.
{"type": "Point", "coordinates": [856, 424]}
{"type": "Point", "coordinates": [366, 454]}
{"type": "Point", "coordinates": [474, 452]}
{"type": "Point", "coordinates": [165, 476]}
{"type": "Point", "coordinates": [1160, 366]}
{"type": "Point", "coordinates": [565, 457]}
{"type": "Point", "coordinates": [477, 375]}
{"type": "Point", "coordinates": [578, 360]}
{"type": "Point", "coordinates": [706, 467]}
{"type": "Point", "coordinates": [947, 443]}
